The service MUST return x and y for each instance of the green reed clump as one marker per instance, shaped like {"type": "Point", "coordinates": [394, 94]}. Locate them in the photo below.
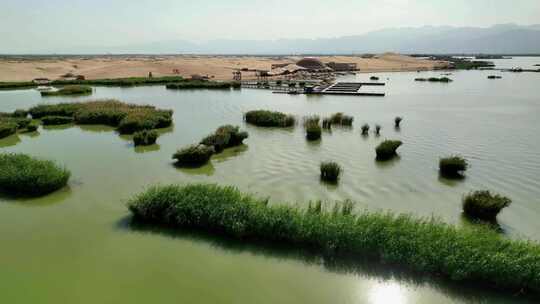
{"type": "Point", "coordinates": [56, 120]}
{"type": "Point", "coordinates": [365, 129]}
{"type": "Point", "coordinates": [201, 84]}
{"type": "Point", "coordinates": [127, 118]}
{"type": "Point", "coordinates": [330, 171]}
{"type": "Point", "coordinates": [484, 205]}
{"type": "Point", "coordinates": [313, 131]}
{"type": "Point", "coordinates": [69, 90]}
{"type": "Point", "coordinates": [194, 155]}
{"type": "Point", "coordinates": [426, 245]}
{"type": "Point", "coordinates": [263, 118]}
{"type": "Point", "coordinates": [225, 137]}
{"type": "Point", "coordinates": [378, 130]}
{"type": "Point", "coordinates": [387, 149]}
{"type": "Point", "coordinates": [7, 128]}
{"type": "Point", "coordinates": [453, 166]}
{"type": "Point", "coordinates": [397, 121]}
{"type": "Point", "coordinates": [313, 119]}
{"type": "Point", "coordinates": [21, 174]}
{"type": "Point", "coordinates": [32, 127]}
{"type": "Point", "coordinates": [341, 119]}
{"type": "Point", "coordinates": [145, 137]}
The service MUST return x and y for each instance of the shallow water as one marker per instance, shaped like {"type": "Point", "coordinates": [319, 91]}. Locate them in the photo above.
{"type": "Point", "coordinates": [78, 246]}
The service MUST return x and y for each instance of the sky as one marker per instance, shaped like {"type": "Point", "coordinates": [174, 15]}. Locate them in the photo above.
{"type": "Point", "coordinates": [57, 25]}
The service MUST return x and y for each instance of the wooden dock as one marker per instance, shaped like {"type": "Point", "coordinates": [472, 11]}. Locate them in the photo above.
{"type": "Point", "coordinates": [350, 88]}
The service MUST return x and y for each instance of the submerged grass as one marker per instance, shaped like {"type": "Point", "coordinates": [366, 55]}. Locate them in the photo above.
{"type": "Point", "coordinates": [21, 174]}
{"type": "Point", "coordinates": [127, 118]}
{"type": "Point", "coordinates": [69, 90]}
{"type": "Point", "coordinates": [468, 254]}
{"type": "Point", "coordinates": [263, 118]}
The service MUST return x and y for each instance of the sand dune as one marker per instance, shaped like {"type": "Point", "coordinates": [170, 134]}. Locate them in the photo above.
{"type": "Point", "coordinates": [220, 67]}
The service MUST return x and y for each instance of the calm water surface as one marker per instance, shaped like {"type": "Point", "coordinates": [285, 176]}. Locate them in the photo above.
{"type": "Point", "coordinates": [78, 245]}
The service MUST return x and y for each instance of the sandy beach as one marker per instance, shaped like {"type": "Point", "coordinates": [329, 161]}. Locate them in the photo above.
{"type": "Point", "coordinates": [216, 67]}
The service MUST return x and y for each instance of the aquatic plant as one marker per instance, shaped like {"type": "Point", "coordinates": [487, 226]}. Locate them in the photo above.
{"type": "Point", "coordinates": [484, 205]}
{"type": "Point", "coordinates": [145, 137]}
{"type": "Point", "coordinates": [397, 121]}
{"type": "Point", "coordinates": [128, 118]}
{"type": "Point", "coordinates": [453, 166]}
{"type": "Point", "coordinates": [7, 128]}
{"type": "Point", "coordinates": [313, 119]}
{"type": "Point", "coordinates": [21, 174]}
{"type": "Point", "coordinates": [199, 84]}
{"type": "Point", "coordinates": [330, 171]}
{"type": "Point", "coordinates": [378, 130]}
{"type": "Point", "coordinates": [313, 131]}
{"type": "Point", "coordinates": [387, 149]}
{"type": "Point", "coordinates": [434, 79]}
{"type": "Point", "coordinates": [374, 78]}
{"type": "Point", "coordinates": [425, 245]}
{"type": "Point", "coordinates": [263, 118]}
{"type": "Point", "coordinates": [327, 123]}
{"type": "Point", "coordinates": [56, 120]}
{"type": "Point", "coordinates": [494, 77]}
{"type": "Point", "coordinates": [225, 137]}
{"type": "Point", "coordinates": [194, 155]}
{"type": "Point", "coordinates": [69, 90]}
{"type": "Point", "coordinates": [365, 129]}
{"type": "Point", "coordinates": [341, 119]}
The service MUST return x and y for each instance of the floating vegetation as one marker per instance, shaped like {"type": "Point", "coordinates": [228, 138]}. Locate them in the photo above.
{"type": "Point", "coordinates": [374, 78]}
{"type": "Point", "coordinates": [193, 156]}
{"type": "Point", "coordinates": [56, 120]}
{"type": "Point", "coordinates": [69, 90]}
{"type": "Point", "coordinates": [494, 77]}
{"type": "Point", "coordinates": [484, 205]}
{"type": "Point", "coordinates": [387, 149]}
{"type": "Point", "coordinates": [397, 121]}
{"type": "Point", "coordinates": [145, 137]}
{"type": "Point", "coordinates": [202, 84]}
{"type": "Point", "coordinates": [453, 166]}
{"type": "Point", "coordinates": [365, 129]}
{"type": "Point", "coordinates": [23, 175]}
{"type": "Point", "coordinates": [425, 245]}
{"type": "Point", "coordinates": [434, 79]}
{"type": "Point", "coordinates": [127, 118]}
{"type": "Point", "coordinates": [225, 137]}
{"type": "Point", "coordinates": [263, 118]}
{"type": "Point", "coordinates": [330, 171]}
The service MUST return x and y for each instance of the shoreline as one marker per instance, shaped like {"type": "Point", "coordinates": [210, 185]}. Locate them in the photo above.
{"type": "Point", "coordinates": [26, 68]}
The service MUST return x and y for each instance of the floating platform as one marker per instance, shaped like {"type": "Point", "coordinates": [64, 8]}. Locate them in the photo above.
{"type": "Point", "coordinates": [349, 88]}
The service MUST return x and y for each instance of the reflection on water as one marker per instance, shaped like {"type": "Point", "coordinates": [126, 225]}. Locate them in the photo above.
{"type": "Point", "coordinates": [54, 198]}
{"type": "Point", "coordinates": [389, 163]}
{"type": "Point", "coordinates": [387, 292]}
{"type": "Point", "coordinates": [146, 149]}
{"type": "Point", "coordinates": [57, 127]}
{"type": "Point", "coordinates": [208, 169]}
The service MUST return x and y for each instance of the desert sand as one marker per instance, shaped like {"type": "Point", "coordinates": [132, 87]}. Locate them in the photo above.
{"type": "Point", "coordinates": [216, 67]}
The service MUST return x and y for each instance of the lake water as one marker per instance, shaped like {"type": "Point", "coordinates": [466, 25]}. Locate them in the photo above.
{"type": "Point", "coordinates": [77, 245]}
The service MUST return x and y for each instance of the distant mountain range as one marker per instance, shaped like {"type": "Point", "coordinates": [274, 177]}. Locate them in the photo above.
{"type": "Point", "coordinates": [498, 39]}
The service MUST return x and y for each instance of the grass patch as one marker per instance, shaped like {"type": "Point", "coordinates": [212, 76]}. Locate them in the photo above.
{"type": "Point", "coordinates": [193, 156]}
{"type": "Point", "coordinates": [313, 131]}
{"type": "Point", "coordinates": [484, 205]}
{"type": "Point", "coordinates": [225, 137]}
{"type": "Point", "coordinates": [330, 171]}
{"type": "Point", "coordinates": [425, 245]}
{"type": "Point", "coordinates": [263, 118]}
{"type": "Point", "coordinates": [202, 84]}
{"type": "Point", "coordinates": [127, 118]}
{"type": "Point", "coordinates": [21, 174]}
{"type": "Point", "coordinates": [387, 149]}
{"type": "Point", "coordinates": [341, 119]}
{"type": "Point", "coordinates": [365, 129]}
{"type": "Point", "coordinates": [453, 166]}
{"type": "Point", "coordinates": [56, 120]}
{"type": "Point", "coordinates": [69, 90]}
{"type": "Point", "coordinates": [145, 137]}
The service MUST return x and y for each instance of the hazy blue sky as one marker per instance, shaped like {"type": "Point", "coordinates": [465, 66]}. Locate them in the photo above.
{"type": "Point", "coordinates": [69, 24]}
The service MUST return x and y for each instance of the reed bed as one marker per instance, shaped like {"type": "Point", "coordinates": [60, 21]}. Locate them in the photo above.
{"type": "Point", "coordinates": [69, 90]}
{"type": "Point", "coordinates": [426, 245]}
{"type": "Point", "coordinates": [387, 149]}
{"type": "Point", "coordinates": [202, 84]}
{"type": "Point", "coordinates": [484, 205]}
{"type": "Point", "coordinates": [330, 171]}
{"type": "Point", "coordinates": [23, 175]}
{"type": "Point", "coordinates": [193, 156]}
{"type": "Point", "coordinates": [145, 137]}
{"type": "Point", "coordinates": [263, 118]}
{"type": "Point", "coordinates": [453, 166]}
